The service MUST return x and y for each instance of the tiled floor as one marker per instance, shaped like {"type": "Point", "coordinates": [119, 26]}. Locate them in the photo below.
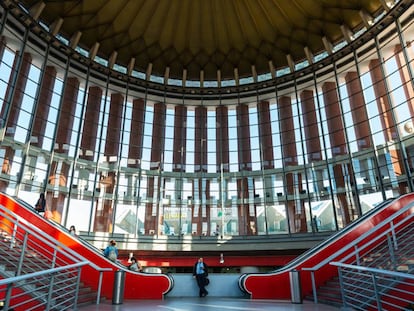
{"type": "Point", "coordinates": [210, 303]}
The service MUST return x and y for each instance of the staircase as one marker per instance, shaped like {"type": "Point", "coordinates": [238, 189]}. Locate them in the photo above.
{"type": "Point", "coordinates": [395, 253]}
{"type": "Point", "coordinates": [23, 253]}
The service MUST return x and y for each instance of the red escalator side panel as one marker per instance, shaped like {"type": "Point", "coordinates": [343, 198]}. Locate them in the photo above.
{"type": "Point", "coordinates": [277, 285]}
{"type": "Point", "coordinates": [137, 285]}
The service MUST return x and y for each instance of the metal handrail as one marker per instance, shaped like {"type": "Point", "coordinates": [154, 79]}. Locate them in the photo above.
{"type": "Point", "coordinates": [359, 293]}
{"type": "Point", "coordinates": [18, 221]}
{"type": "Point", "coordinates": [48, 289]}
{"type": "Point", "coordinates": [339, 253]}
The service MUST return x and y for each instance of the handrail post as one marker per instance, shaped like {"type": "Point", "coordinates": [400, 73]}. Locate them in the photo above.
{"type": "Point", "coordinates": [98, 298]}
{"type": "Point", "coordinates": [342, 287]}
{"type": "Point", "coordinates": [377, 297]}
{"type": "Point", "coordinates": [75, 302]}
{"type": "Point", "coordinates": [315, 296]}
{"type": "Point", "coordinates": [49, 294]}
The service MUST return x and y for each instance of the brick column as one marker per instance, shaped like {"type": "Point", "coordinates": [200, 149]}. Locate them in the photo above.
{"type": "Point", "coordinates": [358, 110]}
{"type": "Point", "coordinates": [90, 124]}
{"type": "Point", "coordinates": [135, 145]}
{"type": "Point", "coordinates": [60, 169]}
{"type": "Point", "coordinates": [222, 160]}
{"type": "Point", "coordinates": [107, 181]}
{"type": "Point", "coordinates": [43, 106]}
{"type": "Point", "coordinates": [153, 216]}
{"type": "Point", "coordinates": [246, 213]}
{"type": "Point", "coordinates": [388, 125]}
{"type": "Point", "coordinates": [338, 144]}
{"type": "Point", "coordinates": [200, 211]}
{"type": "Point", "coordinates": [180, 137]}
{"type": "Point", "coordinates": [312, 139]}
{"type": "Point", "coordinates": [12, 106]}
{"type": "Point", "coordinates": [293, 180]}
{"type": "Point", "coordinates": [406, 80]}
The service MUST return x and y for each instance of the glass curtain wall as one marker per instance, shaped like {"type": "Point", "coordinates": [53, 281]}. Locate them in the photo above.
{"type": "Point", "coordinates": [309, 154]}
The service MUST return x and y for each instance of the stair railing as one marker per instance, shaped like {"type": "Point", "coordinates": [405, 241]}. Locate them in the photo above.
{"type": "Point", "coordinates": [58, 253]}
{"type": "Point", "coordinates": [365, 242]}
{"type": "Point", "coordinates": [52, 294]}
{"type": "Point", "coordinates": [367, 288]}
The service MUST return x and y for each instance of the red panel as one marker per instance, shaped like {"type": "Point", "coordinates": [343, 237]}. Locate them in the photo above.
{"type": "Point", "coordinates": [137, 286]}
{"type": "Point", "coordinates": [277, 285]}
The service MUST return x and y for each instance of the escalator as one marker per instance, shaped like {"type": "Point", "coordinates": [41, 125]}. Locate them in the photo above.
{"type": "Point", "coordinates": [100, 274]}
{"type": "Point", "coordinates": [314, 266]}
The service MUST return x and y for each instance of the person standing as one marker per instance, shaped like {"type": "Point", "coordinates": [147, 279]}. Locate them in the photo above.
{"type": "Point", "coordinates": [40, 205]}
{"type": "Point", "coordinates": [135, 265]}
{"type": "Point", "coordinates": [200, 273]}
{"type": "Point", "coordinates": [72, 230]}
{"type": "Point", "coordinates": [111, 252]}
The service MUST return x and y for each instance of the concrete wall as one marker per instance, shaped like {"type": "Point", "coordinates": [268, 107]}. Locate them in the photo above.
{"type": "Point", "coordinates": [221, 285]}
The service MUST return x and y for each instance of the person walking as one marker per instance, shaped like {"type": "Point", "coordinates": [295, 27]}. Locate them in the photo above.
{"type": "Point", "coordinates": [200, 273]}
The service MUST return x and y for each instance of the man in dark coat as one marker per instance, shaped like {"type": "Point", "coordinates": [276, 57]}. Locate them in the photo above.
{"type": "Point", "coordinates": [200, 273]}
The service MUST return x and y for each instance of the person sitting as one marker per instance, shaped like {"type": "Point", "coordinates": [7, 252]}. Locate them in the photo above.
{"type": "Point", "coordinates": [135, 265]}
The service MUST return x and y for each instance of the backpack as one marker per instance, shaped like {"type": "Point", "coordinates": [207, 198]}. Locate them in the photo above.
{"type": "Point", "coordinates": [112, 255]}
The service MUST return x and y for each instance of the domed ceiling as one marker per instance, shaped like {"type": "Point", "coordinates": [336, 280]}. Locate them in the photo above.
{"type": "Point", "coordinates": [206, 39]}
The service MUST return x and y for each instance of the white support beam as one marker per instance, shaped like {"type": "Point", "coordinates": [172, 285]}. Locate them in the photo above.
{"type": "Point", "coordinates": [112, 59]}
{"type": "Point", "coordinates": [37, 9]}
{"type": "Point", "coordinates": [309, 54]}
{"type": "Point", "coordinates": [55, 26]}
{"type": "Point", "coordinates": [327, 44]}
{"type": "Point", "coordinates": [93, 51]}
{"type": "Point", "coordinates": [148, 72]}
{"type": "Point", "coordinates": [347, 33]}
{"type": "Point", "coordinates": [131, 66]}
{"type": "Point", "coordinates": [74, 40]}
{"type": "Point", "coordinates": [291, 63]}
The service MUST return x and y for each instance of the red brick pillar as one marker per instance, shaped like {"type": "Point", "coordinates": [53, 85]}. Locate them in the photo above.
{"type": "Point", "coordinates": [199, 210]}
{"type": "Point", "coordinates": [137, 133]}
{"type": "Point", "coordinates": [180, 137]}
{"type": "Point", "coordinates": [338, 144]}
{"type": "Point", "coordinates": [246, 212]}
{"type": "Point", "coordinates": [312, 139]}
{"type": "Point", "coordinates": [135, 146]}
{"type": "Point", "coordinates": [60, 169]}
{"type": "Point", "coordinates": [265, 137]}
{"type": "Point", "coordinates": [406, 80]}
{"type": "Point", "coordinates": [153, 216]}
{"type": "Point", "coordinates": [90, 124]}
{"type": "Point", "coordinates": [222, 160]}
{"type": "Point", "coordinates": [43, 106]}
{"type": "Point", "coordinates": [388, 125]}
{"type": "Point", "coordinates": [222, 139]}
{"type": "Point", "coordinates": [12, 106]}
{"type": "Point", "coordinates": [107, 181]}
{"type": "Point", "coordinates": [293, 180]}
{"type": "Point", "coordinates": [358, 110]}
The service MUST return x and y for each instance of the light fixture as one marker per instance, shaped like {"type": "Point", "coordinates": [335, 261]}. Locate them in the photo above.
{"type": "Point", "coordinates": [221, 258]}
